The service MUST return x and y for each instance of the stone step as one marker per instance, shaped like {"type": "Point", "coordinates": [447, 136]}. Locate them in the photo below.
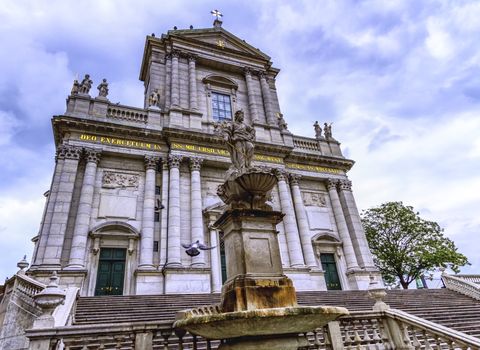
{"type": "Point", "coordinates": [441, 305]}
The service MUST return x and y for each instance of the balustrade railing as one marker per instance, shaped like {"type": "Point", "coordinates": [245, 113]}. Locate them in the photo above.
{"type": "Point", "coordinates": [305, 143]}
{"type": "Point", "coordinates": [461, 285]}
{"type": "Point", "coordinates": [127, 113]}
{"type": "Point", "coordinates": [361, 330]}
{"type": "Point", "coordinates": [471, 278]}
{"type": "Point", "coordinates": [27, 287]}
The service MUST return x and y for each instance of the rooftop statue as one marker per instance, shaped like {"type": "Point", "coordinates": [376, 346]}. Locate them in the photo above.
{"type": "Point", "coordinates": [239, 138]}
{"type": "Point", "coordinates": [103, 89]}
{"type": "Point", "coordinates": [318, 130]}
{"type": "Point", "coordinates": [85, 85]}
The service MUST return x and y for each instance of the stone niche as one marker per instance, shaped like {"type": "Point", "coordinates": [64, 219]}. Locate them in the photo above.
{"type": "Point", "coordinates": [119, 195]}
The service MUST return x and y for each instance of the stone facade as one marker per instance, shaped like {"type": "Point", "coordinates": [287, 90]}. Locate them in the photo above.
{"type": "Point", "coordinates": [142, 181]}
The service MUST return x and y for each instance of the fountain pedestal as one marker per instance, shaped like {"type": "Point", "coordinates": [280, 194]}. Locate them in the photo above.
{"type": "Point", "coordinates": [258, 309]}
{"type": "Point", "coordinates": [254, 266]}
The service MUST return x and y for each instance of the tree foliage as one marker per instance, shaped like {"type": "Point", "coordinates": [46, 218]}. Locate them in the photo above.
{"type": "Point", "coordinates": [405, 245]}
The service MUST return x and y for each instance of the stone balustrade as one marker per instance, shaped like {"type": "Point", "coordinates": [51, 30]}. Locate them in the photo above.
{"type": "Point", "coordinates": [305, 143]}
{"type": "Point", "coordinates": [462, 285]}
{"type": "Point", "coordinates": [470, 278]}
{"type": "Point", "coordinates": [27, 287]}
{"type": "Point", "coordinates": [137, 115]}
{"type": "Point", "coordinates": [388, 329]}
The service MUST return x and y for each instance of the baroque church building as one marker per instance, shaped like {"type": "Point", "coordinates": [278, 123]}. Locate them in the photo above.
{"type": "Point", "coordinates": [131, 185]}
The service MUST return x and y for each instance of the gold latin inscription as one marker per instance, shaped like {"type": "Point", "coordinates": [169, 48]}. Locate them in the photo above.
{"type": "Point", "coordinates": [119, 142]}
{"type": "Point", "coordinates": [317, 169]}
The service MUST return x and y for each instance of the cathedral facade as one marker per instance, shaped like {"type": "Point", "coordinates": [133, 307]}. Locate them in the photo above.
{"type": "Point", "coordinates": [131, 185]}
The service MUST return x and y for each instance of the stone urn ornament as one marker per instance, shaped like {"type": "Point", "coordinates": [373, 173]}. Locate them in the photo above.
{"type": "Point", "coordinates": [48, 300]}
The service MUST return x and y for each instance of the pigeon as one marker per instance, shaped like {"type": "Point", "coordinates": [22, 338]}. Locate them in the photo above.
{"type": "Point", "coordinates": [193, 249]}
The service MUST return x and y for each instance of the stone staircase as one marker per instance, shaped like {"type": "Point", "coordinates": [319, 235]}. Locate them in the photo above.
{"type": "Point", "coordinates": [442, 306]}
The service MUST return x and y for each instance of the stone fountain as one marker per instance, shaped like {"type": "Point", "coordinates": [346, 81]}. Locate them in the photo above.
{"type": "Point", "coordinates": [258, 308]}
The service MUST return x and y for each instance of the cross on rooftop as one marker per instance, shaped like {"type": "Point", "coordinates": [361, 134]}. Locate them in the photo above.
{"type": "Point", "coordinates": [217, 14]}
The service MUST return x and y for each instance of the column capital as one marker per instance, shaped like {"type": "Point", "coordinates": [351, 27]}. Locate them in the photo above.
{"type": "Point", "coordinates": [168, 56]}
{"type": "Point", "coordinates": [174, 161]}
{"type": "Point", "coordinates": [195, 163]}
{"type": "Point", "coordinates": [294, 179]}
{"type": "Point", "coordinates": [69, 152]}
{"type": "Point", "coordinates": [191, 57]}
{"type": "Point", "coordinates": [345, 185]}
{"type": "Point", "coordinates": [248, 71]}
{"type": "Point", "coordinates": [175, 53]}
{"type": "Point", "coordinates": [281, 175]}
{"type": "Point", "coordinates": [332, 183]}
{"type": "Point", "coordinates": [92, 155]}
{"type": "Point", "coordinates": [151, 162]}
{"type": "Point", "coordinates": [262, 75]}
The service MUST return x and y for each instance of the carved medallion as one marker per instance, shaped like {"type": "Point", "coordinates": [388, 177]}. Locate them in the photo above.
{"type": "Point", "coordinates": [314, 199]}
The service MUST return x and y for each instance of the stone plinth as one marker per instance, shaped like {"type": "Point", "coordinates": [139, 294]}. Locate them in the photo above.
{"type": "Point", "coordinates": [255, 278]}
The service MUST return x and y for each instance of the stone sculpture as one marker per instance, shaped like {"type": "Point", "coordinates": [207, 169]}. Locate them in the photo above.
{"type": "Point", "coordinates": [75, 87]}
{"type": "Point", "coordinates": [239, 138]}
{"type": "Point", "coordinates": [154, 98]}
{"type": "Point", "coordinates": [318, 130]}
{"type": "Point", "coordinates": [85, 85]}
{"type": "Point", "coordinates": [281, 122]}
{"type": "Point", "coordinates": [103, 89]}
{"type": "Point", "coordinates": [328, 131]}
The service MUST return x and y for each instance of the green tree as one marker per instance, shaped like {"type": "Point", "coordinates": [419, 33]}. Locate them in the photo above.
{"type": "Point", "coordinates": [405, 245]}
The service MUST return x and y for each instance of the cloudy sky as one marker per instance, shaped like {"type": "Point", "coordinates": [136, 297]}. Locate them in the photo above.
{"type": "Point", "coordinates": [400, 80]}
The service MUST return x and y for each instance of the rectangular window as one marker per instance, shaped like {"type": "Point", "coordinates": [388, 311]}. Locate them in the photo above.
{"type": "Point", "coordinates": [221, 107]}
{"type": "Point", "coordinates": [155, 246]}
{"type": "Point", "coordinates": [157, 216]}
{"type": "Point", "coordinates": [158, 190]}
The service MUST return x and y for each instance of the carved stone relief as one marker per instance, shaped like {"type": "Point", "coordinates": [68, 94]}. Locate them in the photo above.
{"type": "Point", "coordinates": [314, 199]}
{"type": "Point", "coordinates": [119, 180]}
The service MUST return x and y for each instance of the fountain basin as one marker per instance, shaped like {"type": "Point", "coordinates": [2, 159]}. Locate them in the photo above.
{"type": "Point", "coordinates": [211, 324]}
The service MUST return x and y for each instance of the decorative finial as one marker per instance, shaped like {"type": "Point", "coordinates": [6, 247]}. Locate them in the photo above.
{"type": "Point", "coordinates": [22, 264]}
{"type": "Point", "coordinates": [175, 28]}
{"type": "Point", "coordinates": [191, 27]}
{"type": "Point", "coordinates": [153, 34]}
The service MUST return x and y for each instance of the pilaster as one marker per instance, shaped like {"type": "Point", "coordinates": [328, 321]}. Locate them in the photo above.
{"type": "Point", "coordinates": [267, 99]}
{"type": "Point", "coordinates": [348, 250]}
{"type": "Point", "coordinates": [53, 250]}
{"type": "Point", "coordinates": [354, 224]}
{"type": "Point", "coordinates": [192, 82]}
{"type": "Point", "coordinates": [251, 96]}
{"type": "Point", "coordinates": [175, 80]}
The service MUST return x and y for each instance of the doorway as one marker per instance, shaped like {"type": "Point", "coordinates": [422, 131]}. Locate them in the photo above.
{"type": "Point", "coordinates": [329, 266]}
{"type": "Point", "coordinates": [111, 271]}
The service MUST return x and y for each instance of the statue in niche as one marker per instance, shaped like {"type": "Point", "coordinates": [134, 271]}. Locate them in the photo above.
{"type": "Point", "coordinates": [154, 98]}
{"type": "Point", "coordinates": [103, 89]}
{"type": "Point", "coordinates": [318, 130]}
{"type": "Point", "coordinates": [239, 138]}
{"type": "Point", "coordinates": [85, 85]}
{"type": "Point", "coordinates": [328, 131]}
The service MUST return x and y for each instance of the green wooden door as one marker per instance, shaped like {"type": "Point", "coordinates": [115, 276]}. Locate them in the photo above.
{"type": "Point", "coordinates": [111, 272]}
{"type": "Point", "coordinates": [330, 268]}
{"type": "Point", "coordinates": [223, 260]}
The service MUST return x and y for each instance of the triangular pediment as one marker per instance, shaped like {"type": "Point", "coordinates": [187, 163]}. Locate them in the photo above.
{"type": "Point", "coordinates": [219, 38]}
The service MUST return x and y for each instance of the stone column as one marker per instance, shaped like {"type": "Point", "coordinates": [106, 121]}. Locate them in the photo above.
{"type": "Point", "coordinates": [354, 224]}
{"type": "Point", "coordinates": [196, 208]}
{"type": "Point", "coordinates": [59, 160]}
{"type": "Point", "coordinates": [175, 80]}
{"type": "Point", "coordinates": [251, 96]}
{"type": "Point", "coordinates": [348, 250]}
{"type": "Point", "coordinates": [302, 221]}
{"type": "Point", "coordinates": [63, 201]}
{"type": "Point", "coordinates": [173, 235]}
{"type": "Point", "coordinates": [291, 229]}
{"type": "Point", "coordinates": [267, 99]}
{"type": "Point", "coordinates": [82, 222]}
{"type": "Point", "coordinates": [163, 223]}
{"type": "Point", "coordinates": [192, 82]}
{"type": "Point", "coordinates": [148, 217]}
{"type": "Point", "coordinates": [215, 260]}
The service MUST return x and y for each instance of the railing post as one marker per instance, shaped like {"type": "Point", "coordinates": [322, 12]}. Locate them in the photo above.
{"type": "Point", "coordinates": [143, 341]}
{"type": "Point", "coordinates": [335, 335]}
{"type": "Point", "coordinates": [399, 339]}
